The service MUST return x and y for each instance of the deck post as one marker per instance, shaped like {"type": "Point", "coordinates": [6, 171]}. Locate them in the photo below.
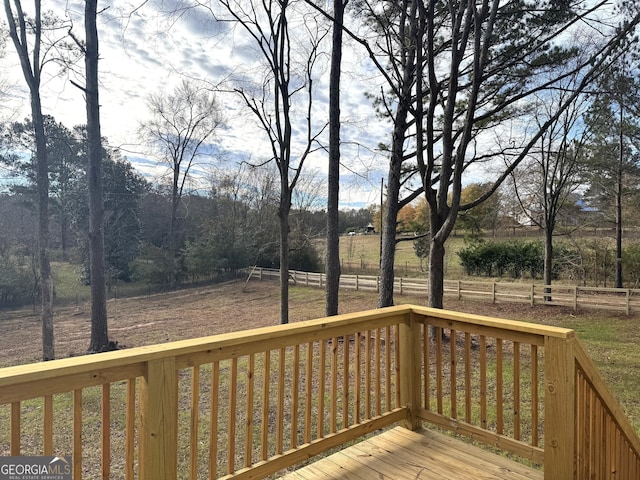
{"type": "Point", "coordinates": [409, 375]}
{"type": "Point", "coordinates": [559, 407]}
{"type": "Point", "coordinates": [159, 421]}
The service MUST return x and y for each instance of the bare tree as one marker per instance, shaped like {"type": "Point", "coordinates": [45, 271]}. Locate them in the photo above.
{"type": "Point", "coordinates": [285, 96]}
{"type": "Point", "coordinates": [549, 177]}
{"type": "Point", "coordinates": [180, 128]}
{"type": "Point", "coordinates": [27, 37]}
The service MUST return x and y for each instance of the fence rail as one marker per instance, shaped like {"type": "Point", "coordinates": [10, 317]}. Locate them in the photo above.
{"type": "Point", "coordinates": [625, 300]}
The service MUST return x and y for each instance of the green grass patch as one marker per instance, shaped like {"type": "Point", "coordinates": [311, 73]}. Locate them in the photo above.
{"type": "Point", "coordinates": [67, 284]}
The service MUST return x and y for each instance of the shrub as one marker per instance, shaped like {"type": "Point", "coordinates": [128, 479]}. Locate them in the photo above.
{"type": "Point", "coordinates": [631, 264]}
{"type": "Point", "coordinates": [305, 259]}
{"type": "Point", "coordinates": [498, 259]}
{"type": "Point", "coordinates": [18, 286]}
{"type": "Point", "coordinates": [152, 266]}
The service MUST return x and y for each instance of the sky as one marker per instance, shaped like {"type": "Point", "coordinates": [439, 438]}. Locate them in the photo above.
{"type": "Point", "coordinates": [147, 48]}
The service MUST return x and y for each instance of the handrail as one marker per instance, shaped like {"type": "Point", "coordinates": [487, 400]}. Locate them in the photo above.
{"type": "Point", "coordinates": [606, 442]}
{"type": "Point", "coordinates": [250, 403]}
{"type": "Point", "coordinates": [467, 387]}
{"type": "Point", "coordinates": [308, 361]}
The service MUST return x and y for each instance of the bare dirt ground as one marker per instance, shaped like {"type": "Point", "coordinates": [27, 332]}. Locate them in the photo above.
{"type": "Point", "coordinates": [204, 311]}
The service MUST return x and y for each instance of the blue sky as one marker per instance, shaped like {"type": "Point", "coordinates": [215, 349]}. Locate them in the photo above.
{"type": "Point", "coordinates": [144, 49]}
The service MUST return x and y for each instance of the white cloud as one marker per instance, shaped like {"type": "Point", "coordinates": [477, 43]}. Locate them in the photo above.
{"type": "Point", "coordinates": [147, 48]}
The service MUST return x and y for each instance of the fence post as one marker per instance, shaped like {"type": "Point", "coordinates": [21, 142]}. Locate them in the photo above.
{"type": "Point", "coordinates": [493, 292]}
{"type": "Point", "coordinates": [559, 407]}
{"type": "Point", "coordinates": [377, 284]}
{"type": "Point", "coordinates": [533, 294]}
{"type": "Point", "coordinates": [400, 285]}
{"type": "Point", "coordinates": [409, 375]}
{"type": "Point", "coordinates": [459, 289]}
{"type": "Point", "coordinates": [357, 286]}
{"type": "Point", "coordinates": [628, 301]}
{"type": "Point", "coordinates": [158, 434]}
{"type": "Point", "coordinates": [575, 299]}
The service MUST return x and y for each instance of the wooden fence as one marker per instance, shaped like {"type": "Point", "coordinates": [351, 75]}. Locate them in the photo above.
{"type": "Point", "coordinates": [625, 300]}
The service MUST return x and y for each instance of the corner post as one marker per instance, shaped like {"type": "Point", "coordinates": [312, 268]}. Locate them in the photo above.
{"type": "Point", "coordinates": [559, 407]}
{"type": "Point", "coordinates": [409, 374]}
{"type": "Point", "coordinates": [158, 435]}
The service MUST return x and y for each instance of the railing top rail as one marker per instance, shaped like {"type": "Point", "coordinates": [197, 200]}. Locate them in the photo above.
{"type": "Point", "coordinates": [594, 377]}
{"type": "Point", "coordinates": [481, 320]}
{"type": "Point", "coordinates": [308, 330]}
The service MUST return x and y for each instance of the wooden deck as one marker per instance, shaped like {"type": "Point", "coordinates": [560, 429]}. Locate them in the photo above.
{"type": "Point", "coordinates": [263, 401]}
{"type": "Point", "coordinates": [400, 454]}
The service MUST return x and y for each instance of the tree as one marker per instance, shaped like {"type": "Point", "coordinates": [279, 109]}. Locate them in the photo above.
{"type": "Point", "coordinates": [506, 68]}
{"type": "Point", "coordinates": [481, 217]}
{"type": "Point", "coordinates": [99, 328]}
{"type": "Point", "coordinates": [239, 222]}
{"type": "Point", "coordinates": [123, 189]}
{"type": "Point", "coordinates": [64, 159]}
{"type": "Point", "coordinates": [397, 57]}
{"type": "Point", "coordinates": [553, 172]}
{"type": "Point", "coordinates": [460, 72]}
{"type": "Point", "coordinates": [180, 128]}
{"type": "Point", "coordinates": [332, 266]}
{"type": "Point", "coordinates": [18, 252]}
{"type": "Point", "coordinates": [421, 249]}
{"type": "Point", "coordinates": [616, 148]}
{"type": "Point", "coordinates": [32, 59]}
{"type": "Point", "coordinates": [284, 98]}
{"type": "Point", "coordinates": [405, 219]}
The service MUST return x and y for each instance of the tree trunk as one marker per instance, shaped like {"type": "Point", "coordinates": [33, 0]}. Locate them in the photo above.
{"type": "Point", "coordinates": [99, 332]}
{"type": "Point", "coordinates": [619, 234]}
{"type": "Point", "coordinates": [175, 199]}
{"type": "Point", "coordinates": [619, 203]}
{"type": "Point", "coordinates": [46, 279]}
{"type": "Point", "coordinates": [436, 279]}
{"type": "Point", "coordinates": [283, 214]}
{"type": "Point", "coordinates": [387, 261]}
{"type": "Point", "coordinates": [64, 236]}
{"type": "Point", "coordinates": [548, 262]}
{"type": "Point", "coordinates": [332, 266]}
{"type": "Point", "coordinates": [390, 220]}
{"type": "Point", "coordinates": [436, 273]}
{"type": "Point", "coordinates": [399, 135]}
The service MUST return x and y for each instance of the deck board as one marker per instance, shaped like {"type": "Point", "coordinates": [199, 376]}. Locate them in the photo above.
{"type": "Point", "coordinates": [400, 454]}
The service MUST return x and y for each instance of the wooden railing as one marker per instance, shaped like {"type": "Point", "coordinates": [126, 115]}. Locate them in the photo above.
{"type": "Point", "coordinates": [606, 445]}
{"type": "Point", "coordinates": [626, 300]}
{"type": "Point", "coordinates": [252, 403]}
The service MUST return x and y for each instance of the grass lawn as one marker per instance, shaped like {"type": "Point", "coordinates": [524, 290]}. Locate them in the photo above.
{"type": "Point", "coordinates": [362, 252]}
